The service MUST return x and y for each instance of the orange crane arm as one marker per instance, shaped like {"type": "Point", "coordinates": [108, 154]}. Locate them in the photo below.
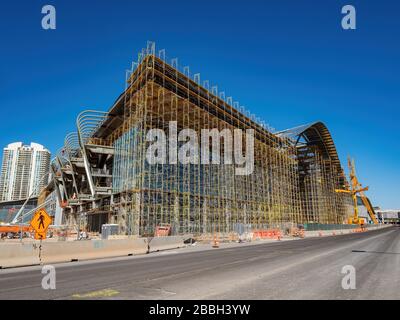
{"type": "Point", "coordinates": [356, 188]}
{"type": "Point", "coordinates": [369, 208]}
{"type": "Point", "coordinates": [342, 191]}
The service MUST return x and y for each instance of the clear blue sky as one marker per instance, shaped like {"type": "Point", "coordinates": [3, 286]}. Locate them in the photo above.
{"type": "Point", "coordinates": [289, 62]}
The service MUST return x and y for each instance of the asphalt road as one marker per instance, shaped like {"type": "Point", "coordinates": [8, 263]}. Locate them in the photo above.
{"type": "Point", "coordinates": [302, 269]}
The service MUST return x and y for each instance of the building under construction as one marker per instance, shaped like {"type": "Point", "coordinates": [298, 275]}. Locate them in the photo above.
{"type": "Point", "coordinates": [103, 175]}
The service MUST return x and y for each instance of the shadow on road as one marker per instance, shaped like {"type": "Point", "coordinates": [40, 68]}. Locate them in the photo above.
{"type": "Point", "coordinates": [364, 251]}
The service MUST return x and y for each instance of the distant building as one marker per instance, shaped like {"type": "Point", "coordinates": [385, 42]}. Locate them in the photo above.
{"type": "Point", "coordinates": [22, 170]}
{"type": "Point", "coordinates": [390, 216]}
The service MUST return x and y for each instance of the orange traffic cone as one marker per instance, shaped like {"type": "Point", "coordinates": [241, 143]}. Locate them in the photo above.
{"type": "Point", "coordinates": [216, 243]}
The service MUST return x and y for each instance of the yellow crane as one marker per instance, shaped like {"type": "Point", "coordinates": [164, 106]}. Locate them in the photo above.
{"type": "Point", "coordinates": [356, 188]}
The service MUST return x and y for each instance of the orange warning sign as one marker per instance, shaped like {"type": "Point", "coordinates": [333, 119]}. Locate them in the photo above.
{"type": "Point", "coordinates": [40, 222]}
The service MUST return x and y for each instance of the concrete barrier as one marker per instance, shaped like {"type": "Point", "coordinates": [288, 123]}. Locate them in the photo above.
{"type": "Point", "coordinates": [19, 254]}
{"type": "Point", "coordinates": [53, 252]}
{"type": "Point", "coordinates": [15, 255]}
{"type": "Point", "coordinates": [165, 243]}
{"type": "Point", "coordinates": [378, 226]}
{"type": "Point", "coordinates": [322, 233]}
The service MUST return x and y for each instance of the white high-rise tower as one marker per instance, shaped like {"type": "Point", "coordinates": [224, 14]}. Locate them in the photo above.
{"type": "Point", "coordinates": [22, 170]}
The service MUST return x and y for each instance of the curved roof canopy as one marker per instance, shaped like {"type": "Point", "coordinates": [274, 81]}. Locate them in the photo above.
{"type": "Point", "coordinates": [314, 134]}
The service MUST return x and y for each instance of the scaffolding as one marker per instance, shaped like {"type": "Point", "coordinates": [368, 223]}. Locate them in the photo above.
{"type": "Point", "coordinates": [291, 183]}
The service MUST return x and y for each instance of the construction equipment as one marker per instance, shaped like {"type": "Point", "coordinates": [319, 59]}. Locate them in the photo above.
{"type": "Point", "coordinates": [357, 189]}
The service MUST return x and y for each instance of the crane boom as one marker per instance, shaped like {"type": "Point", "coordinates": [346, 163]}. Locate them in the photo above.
{"type": "Point", "coordinates": [356, 188]}
{"type": "Point", "coordinates": [370, 210]}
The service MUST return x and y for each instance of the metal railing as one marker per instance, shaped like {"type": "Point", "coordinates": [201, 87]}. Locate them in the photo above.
{"type": "Point", "coordinates": [88, 122]}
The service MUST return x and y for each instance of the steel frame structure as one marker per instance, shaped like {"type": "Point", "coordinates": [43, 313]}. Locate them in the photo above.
{"type": "Point", "coordinates": [107, 177]}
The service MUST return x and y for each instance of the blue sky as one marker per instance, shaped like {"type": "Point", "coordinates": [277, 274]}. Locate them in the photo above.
{"type": "Point", "coordinates": [289, 62]}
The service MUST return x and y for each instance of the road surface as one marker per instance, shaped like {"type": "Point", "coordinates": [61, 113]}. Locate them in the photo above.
{"type": "Point", "coordinates": [301, 269]}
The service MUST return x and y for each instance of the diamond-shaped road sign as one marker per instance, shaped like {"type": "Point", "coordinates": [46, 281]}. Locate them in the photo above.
{"type": "Point", "coordinates": [40, 222]}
